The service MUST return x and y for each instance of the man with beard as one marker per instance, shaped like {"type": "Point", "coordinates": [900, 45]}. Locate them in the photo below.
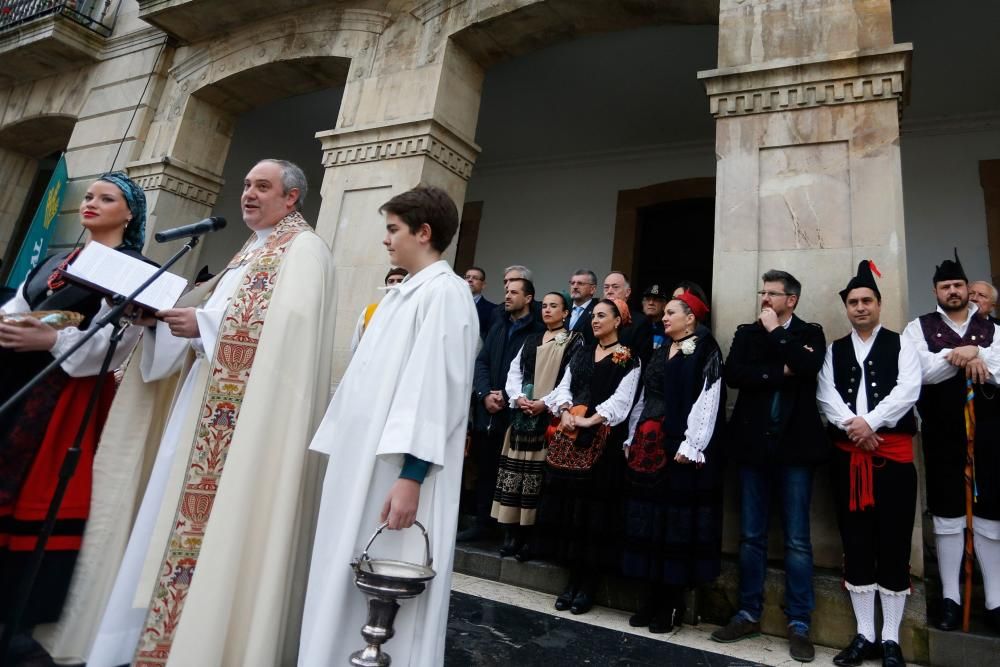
{"type": "Point", "coordinates": [960, 351]}
{"type": "Point", "coordinates": [778, 440]}
{"type": "Point", "coordinates": [869, 383]}
{"type": "Point", "coordinates": [491, 408]}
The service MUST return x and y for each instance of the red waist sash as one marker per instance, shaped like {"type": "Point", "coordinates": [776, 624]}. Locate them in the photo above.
{"type": "Point", "coordinates": [896, 447]}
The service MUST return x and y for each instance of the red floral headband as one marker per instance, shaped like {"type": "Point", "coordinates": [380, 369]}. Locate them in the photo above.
{"type": "Point", "coordinates": [697, 306]}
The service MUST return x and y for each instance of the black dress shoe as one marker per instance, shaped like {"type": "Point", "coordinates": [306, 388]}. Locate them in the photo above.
{"type": "Point", "coordinates": [565, 600]}
{"type": "Point", "coordinates": [993, 619]}
{"type": "Point", "coordinates": [667, 620]}
{"type": "Point", "coordinates": [508, 549]}
{"type": "Point", "coordinates": [582, 603]}
{"type": "Point", "coordinates": [951, 615]}
{"type": "Point", "coordinates": [859, 650]}
{"type": "Point", "coordinates": [892, 655]}
{"type": "Point", "coordinates": [524, 554]}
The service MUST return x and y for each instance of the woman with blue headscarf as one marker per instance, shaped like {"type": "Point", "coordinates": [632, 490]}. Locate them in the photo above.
{"type": "Point", "coordinates": [34, 435]}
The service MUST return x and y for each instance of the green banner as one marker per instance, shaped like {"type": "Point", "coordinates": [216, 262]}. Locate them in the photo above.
{"type": "Point", "coordinates": [36, 242]}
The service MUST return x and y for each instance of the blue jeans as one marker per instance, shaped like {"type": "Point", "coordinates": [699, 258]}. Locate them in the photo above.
{"type": "Point", "coordinates": [792, 486]}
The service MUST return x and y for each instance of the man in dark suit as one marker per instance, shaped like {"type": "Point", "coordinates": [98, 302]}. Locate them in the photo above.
{"type": "Point", "coordinates": [491, 414]}
{"type": "Point", "coordinates": [777, 438]}
{"type": "Point", "coordinates": [476, 277]}
{"type": "Point", "coordinates": [635, 336]}
{"type": "Point", "coordinates": [582, 286]}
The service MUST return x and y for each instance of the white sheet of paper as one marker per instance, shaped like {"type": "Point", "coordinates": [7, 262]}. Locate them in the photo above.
{"type": "Point", "coordinates": [118, 273]}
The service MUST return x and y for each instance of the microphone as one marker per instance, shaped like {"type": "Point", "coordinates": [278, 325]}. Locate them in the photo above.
{"type": "Point", "coordinates": [197, 229]}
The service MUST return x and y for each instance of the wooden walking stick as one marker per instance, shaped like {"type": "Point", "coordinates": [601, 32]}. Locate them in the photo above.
{"type": "Point", "coordinates": [970, 498]}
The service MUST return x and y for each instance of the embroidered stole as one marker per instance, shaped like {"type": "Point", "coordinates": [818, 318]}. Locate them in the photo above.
{"type": "Point", "coordinates": [238, 338]}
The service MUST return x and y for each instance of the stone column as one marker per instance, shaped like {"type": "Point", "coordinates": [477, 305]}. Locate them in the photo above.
{"type": "Point", "coordinates": [176, 194]}
{"type": "Point", "coordinates": [408, 123]}
{"type": "Point", "coordinates": [807, 99]}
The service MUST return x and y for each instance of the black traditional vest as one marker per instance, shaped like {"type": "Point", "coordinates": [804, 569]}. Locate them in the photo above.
{"type": "Point", "coordinates": [877, 378]}
{"type": "Point", "coordinates": [942, 404]}
{"type": "Point", "coordinates": [940, 336]}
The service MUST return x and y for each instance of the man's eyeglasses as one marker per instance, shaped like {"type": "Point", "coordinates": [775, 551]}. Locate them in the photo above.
{"type": "Point", "coordinates": [576, 283]}
{"type": "Point", "coordinates": [772, 295]}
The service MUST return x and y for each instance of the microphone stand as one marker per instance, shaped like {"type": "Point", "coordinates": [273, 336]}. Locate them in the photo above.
{"type": "Point", "coordinates": [121, 322]}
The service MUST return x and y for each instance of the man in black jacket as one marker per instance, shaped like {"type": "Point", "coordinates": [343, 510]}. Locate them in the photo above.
{"type": "Point", "coordinates": [492, 414]}
{"type": "Point", "coordinates": [777, 438]}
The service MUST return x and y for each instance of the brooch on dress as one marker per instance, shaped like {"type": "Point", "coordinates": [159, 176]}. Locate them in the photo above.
{"type": "Point", "coordinates": [621, 355]}
{"type": "Point", "coordinates": [561, 338]}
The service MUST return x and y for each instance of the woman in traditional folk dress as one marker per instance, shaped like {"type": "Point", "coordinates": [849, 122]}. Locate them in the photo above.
{"type": "Point", "coordinates": [580, 509]}
{"type": "Point", "coordinates": [673, 488]}
{"type": "Point", "coordinates": [534, 373]}
{"type": "Point", "coordinates": [35, 435]}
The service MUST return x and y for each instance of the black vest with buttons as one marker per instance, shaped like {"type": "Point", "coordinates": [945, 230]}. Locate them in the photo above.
{"type": "Point", "coordinates": [878, 377]}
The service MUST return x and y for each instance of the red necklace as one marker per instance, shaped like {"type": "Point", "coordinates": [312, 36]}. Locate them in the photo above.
{"type": "Point", "coordinates": [57, 279]}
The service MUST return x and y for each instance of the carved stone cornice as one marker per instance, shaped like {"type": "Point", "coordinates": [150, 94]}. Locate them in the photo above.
{"type": "Point", "coordinates": [863, 77]}
{"type": "Point", "coordinates": [178, 178]}
{"type": "Point", "coordinates": [427, 138]}
{"type": "Point", "coordinates": [430, 9]}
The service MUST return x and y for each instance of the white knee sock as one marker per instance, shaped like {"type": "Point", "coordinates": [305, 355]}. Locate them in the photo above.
{"type": "Point", "coordinates": [988, 555]}
{"type": "Point", "coordinates": [892, 614]}
{"type": "Point", "coordinates": [950, 549]}
{"type": "Point", "coordinates": [864, 612]}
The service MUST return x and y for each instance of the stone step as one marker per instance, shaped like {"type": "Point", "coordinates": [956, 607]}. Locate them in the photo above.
{"type": "Point", "coordinates": [956, 649]}
{"type": "Point", "coordinates": [833, 620]}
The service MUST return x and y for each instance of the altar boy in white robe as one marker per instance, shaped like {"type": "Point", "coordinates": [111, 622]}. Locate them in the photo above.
{"type": "Point", "coordinates": [395, 433]}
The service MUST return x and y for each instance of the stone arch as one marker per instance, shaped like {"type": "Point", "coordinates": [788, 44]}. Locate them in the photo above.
{"type": "Point", "coordinates": [37, 136]}
{"type": "Point", "coordinates": [27, 147]}
{"type": "Point", "coordinates": [496, 34]}
{"type": "Point", "coordinates": [208, 85]}
{"type": "Point", "coordinates": [211, 82]}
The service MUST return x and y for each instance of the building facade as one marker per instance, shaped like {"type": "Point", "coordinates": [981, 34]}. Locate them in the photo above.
{"type": "Point", "coordinates": [705, 139]}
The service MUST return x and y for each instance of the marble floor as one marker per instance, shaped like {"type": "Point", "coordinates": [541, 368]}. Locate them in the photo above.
{"type": "Point", "coordinates": [497, 624]}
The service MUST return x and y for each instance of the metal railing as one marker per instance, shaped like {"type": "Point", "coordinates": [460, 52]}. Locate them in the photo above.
{"type": "Point", "coordinates": [88, 13]}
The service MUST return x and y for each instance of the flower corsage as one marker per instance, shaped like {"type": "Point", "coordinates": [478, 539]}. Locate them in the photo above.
{"type": "Point", "coordinates": [688, 345]}
{"type": "Point", "coordinates": [621, 355]}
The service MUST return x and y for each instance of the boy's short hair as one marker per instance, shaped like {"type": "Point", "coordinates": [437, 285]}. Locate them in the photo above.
{"type": "Point", "coordinates": [426, 205]}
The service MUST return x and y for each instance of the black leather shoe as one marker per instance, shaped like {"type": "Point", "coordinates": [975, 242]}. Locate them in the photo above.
{"type": "Point", "coordinates": [582, 603]}
{"type": "Point", "coordinates": [951, 616]}
{"type": "Point", "coordinates": [993, 619]}
{"type": "Point", "coordinates": [666, 620]}
{"type": "Point", "coordinates": [471, 534]}
{"type": "Point", "coordinates": [508, 549]}
{"type": "Point", "coordinates": [892, 655]}
{"type": "Point", "coordinates": [524, 554]}
{"type": "Point", "coordinates": [859, 650]}
{"type": "Point", "coordinates": [565, 601]}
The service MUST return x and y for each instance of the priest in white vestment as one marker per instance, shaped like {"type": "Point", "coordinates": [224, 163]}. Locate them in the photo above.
{"type": "Point", "coordinates": [395, 433]}
{"type": "Point", "coordinates": [214, 569]}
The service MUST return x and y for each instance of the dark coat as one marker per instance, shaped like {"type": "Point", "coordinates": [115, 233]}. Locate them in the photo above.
{"type": "Point", "coordinates": [755, 367]}
{"type": "Point", "coordinates": [500, 314]}
{"type": "Point", "coordinates": [492, 366]}
{"type": "Point", "coordinates": [583, 323]}
{"type": "Point", "coordinates": [638, 336]}
{"type": "Point", "coordinates": [485, 309]}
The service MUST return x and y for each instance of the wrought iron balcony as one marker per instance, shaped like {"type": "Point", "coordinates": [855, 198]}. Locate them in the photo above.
{"type": "Point", "coordinates": [43, 37]}
{"type": "Point", "coordinates": [194, 20]}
